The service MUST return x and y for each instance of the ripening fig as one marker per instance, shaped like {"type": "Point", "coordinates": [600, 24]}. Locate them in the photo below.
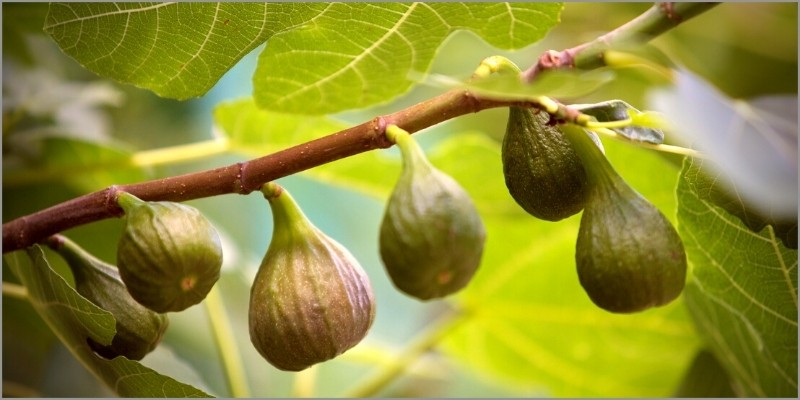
{"type": "Point", "coordinates": [542, 172]}
{"type": "Point", "coordinates": [169, 255]}
{"type": "Point", "coordinates": [311, 300]}
{"type": "Point", "coordinates": [628, 254]}
{"type": "Point", "coordinates": [431, 237]}
{"type": "Point", "coordinates": [139, 330]}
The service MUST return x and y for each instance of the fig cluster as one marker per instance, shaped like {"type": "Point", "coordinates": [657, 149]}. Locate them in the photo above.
{"type": "Point", "coordinates": [629, 257]}
{"type": "Point", "coordinates": [311, 300]}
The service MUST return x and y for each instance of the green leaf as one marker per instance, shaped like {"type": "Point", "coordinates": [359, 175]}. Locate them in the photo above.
{"type": "Point", "coordinates": [530, 321]}
{"type": "Point", "coordinates": [743, 291]}
{"type": "Point", "coordinates": [84, 164]}
{"type": "Point", "coordinates": [177, 50]}
{"type": "Point", "coordinates": [353, 55]}
{"type": "Point", "coordinates": [74, 319]}
{"type": "Point", "coordinates": [312, 64]}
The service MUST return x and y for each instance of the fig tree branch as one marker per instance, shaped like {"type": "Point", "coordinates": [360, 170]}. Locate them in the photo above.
{"type": "Point", "coordinates": [655, 21]}
{"type": "Point", "coordinates": [245, 177]}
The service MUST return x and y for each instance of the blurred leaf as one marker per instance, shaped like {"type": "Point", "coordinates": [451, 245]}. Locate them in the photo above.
{"type": "Point", "coordinates": [555, 83]}
{"type": "Point", "coordinates": [74, 320]}
{"type": "Point", "coordinates": [750, 51]}
{"type": "Point", "coordinates": [532, 324]}
{"type": "Point", "coordinates": [20, 20]}
{"type": "Point", "coordinates": [742, 293]}
{"type": "Point", "coordinates": [618, 110]}
{"type": "Point", "coordinates": [354, 55]}
{"type": "Point", "coordinates": [754, 143]}
{"type": "Point", "coordinates": [177, 50]}
{"type": "Point", "coordinates": [705, 378]}
{"type": "Point", "coordinates": [85, 165]}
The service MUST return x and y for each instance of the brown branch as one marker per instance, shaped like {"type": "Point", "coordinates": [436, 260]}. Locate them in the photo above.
{"type": "Point", "coordinates": [246, 177]}
{"type": "Point", "coordinates": [655, 21]}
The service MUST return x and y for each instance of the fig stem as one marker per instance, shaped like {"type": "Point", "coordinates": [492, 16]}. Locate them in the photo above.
{"type": "Point", "coordinates": [225, 340]}
{"type": "Point", "coordinates": [271, 190]}
{"type": "Point", "coordinates": [423, 342]}
{"type": "Point", "coordinates": [128, 201]}
{"type": "Point", "coordinates": [494, 64]}
{"type": "Point", "coordinates": [412, 152]}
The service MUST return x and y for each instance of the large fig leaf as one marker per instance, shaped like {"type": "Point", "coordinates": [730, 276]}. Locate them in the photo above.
{"type": "Point", "coordinates": [743, 290]}
{"type": "Point", "coordinates": [321, 57]}
{"type": "Point", "coordinates": [74, 319]}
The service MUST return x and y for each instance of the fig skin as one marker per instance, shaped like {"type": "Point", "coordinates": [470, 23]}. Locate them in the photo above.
{"type": "Point", "coordinates": [431, 236]}
{"type": "Point", "coordinates": [542, 172]}
{"type": "Point", "coordinates": [169, 255]}
{"type": "Point", "coordinates": [629, 256]}
{"type": "Point", "coordinates": [139, 329]}
{"type": "Point", "coordinates": [311, 300]}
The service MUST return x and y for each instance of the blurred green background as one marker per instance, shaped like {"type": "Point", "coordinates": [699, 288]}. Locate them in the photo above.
{"type": "Point", "coordinates": [744, 49]}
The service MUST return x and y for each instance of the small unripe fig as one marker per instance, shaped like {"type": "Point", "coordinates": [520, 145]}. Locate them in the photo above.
{"type": "Point", "coordinates": [139, 330]}
{"type": "Point", "coordinates": [311, 300]}
{"type": "Point", "coordinates": [628, 254]}
{"type": "Point", "coordinates": [431, 237]}
{"type": "Point", "coordinates": [542, 172]}
{"type": "Point", "coordinates": [169, 255]}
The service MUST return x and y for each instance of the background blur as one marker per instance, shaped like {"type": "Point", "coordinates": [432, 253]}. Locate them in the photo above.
{"type": "Point", "coordinates": [744, 49]}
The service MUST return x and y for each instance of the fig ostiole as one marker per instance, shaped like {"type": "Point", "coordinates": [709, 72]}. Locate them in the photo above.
{"type": "Point", "coordinates": [169, 255]}
{"type": "Point", "coordinates": [311, 300]}
{"type": "Point", "coordinates": [139, 329]}
{"type": "Point", "coordinates": [629, 256]}
{"type": "Point", "coordinates": [542, 172]}
{"type": "Point", "coordinates": [431, 236]}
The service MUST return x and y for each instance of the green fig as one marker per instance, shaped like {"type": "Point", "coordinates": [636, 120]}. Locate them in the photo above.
{"type": "Point", "coordinates": [311, 300]}
{"type": "Point", "coordinates": [542, 172]}
{"type": "Point", "coordinates": [431, 237]}
{"type": "Point", "coordinates": [629, 256]}
{"type": "Point", "coordinates": [169, 255]}
{"type": "Point", "coordinates": [139, 330]}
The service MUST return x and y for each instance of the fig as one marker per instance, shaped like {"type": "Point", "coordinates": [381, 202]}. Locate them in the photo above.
{"type": "Point", "coordinates": [139, 330]}
{"type": "Point", "coordinates": [431, 236]}
{"type": "Point", "coordinates": [629, 256]}
{"type": "Point", "coordinates": [542, 172]}
{"type": "Point", "coordinates": [169, 255]}
{"type": "Point", "coordinates": [311, 300]}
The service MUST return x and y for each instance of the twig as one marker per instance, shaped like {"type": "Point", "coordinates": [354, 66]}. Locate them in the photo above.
{"type": "Point", "coordinates": [655, 21]}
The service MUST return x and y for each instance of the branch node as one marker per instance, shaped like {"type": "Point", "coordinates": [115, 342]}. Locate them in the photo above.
{"type": "Point", "coordinates": [240, 184]}
{"type": "Point", "coordinates": [378, 127]}
{"type": "Point", "coordinates": [110, 201]}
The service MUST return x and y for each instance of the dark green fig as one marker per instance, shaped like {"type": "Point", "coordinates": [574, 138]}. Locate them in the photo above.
{"type": "Point", "coordinates": [628, 254]}
{"type": "Point", "coordinates": [543, 173]}
{"type": "Point", "coordinates": [431, 237]}
{"type": "Point", "coordinates": [139, 330]}
{"type": "Point", "coordinates": [169, 255]}
{"type": "Point", "coordinates": [311, 300]}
